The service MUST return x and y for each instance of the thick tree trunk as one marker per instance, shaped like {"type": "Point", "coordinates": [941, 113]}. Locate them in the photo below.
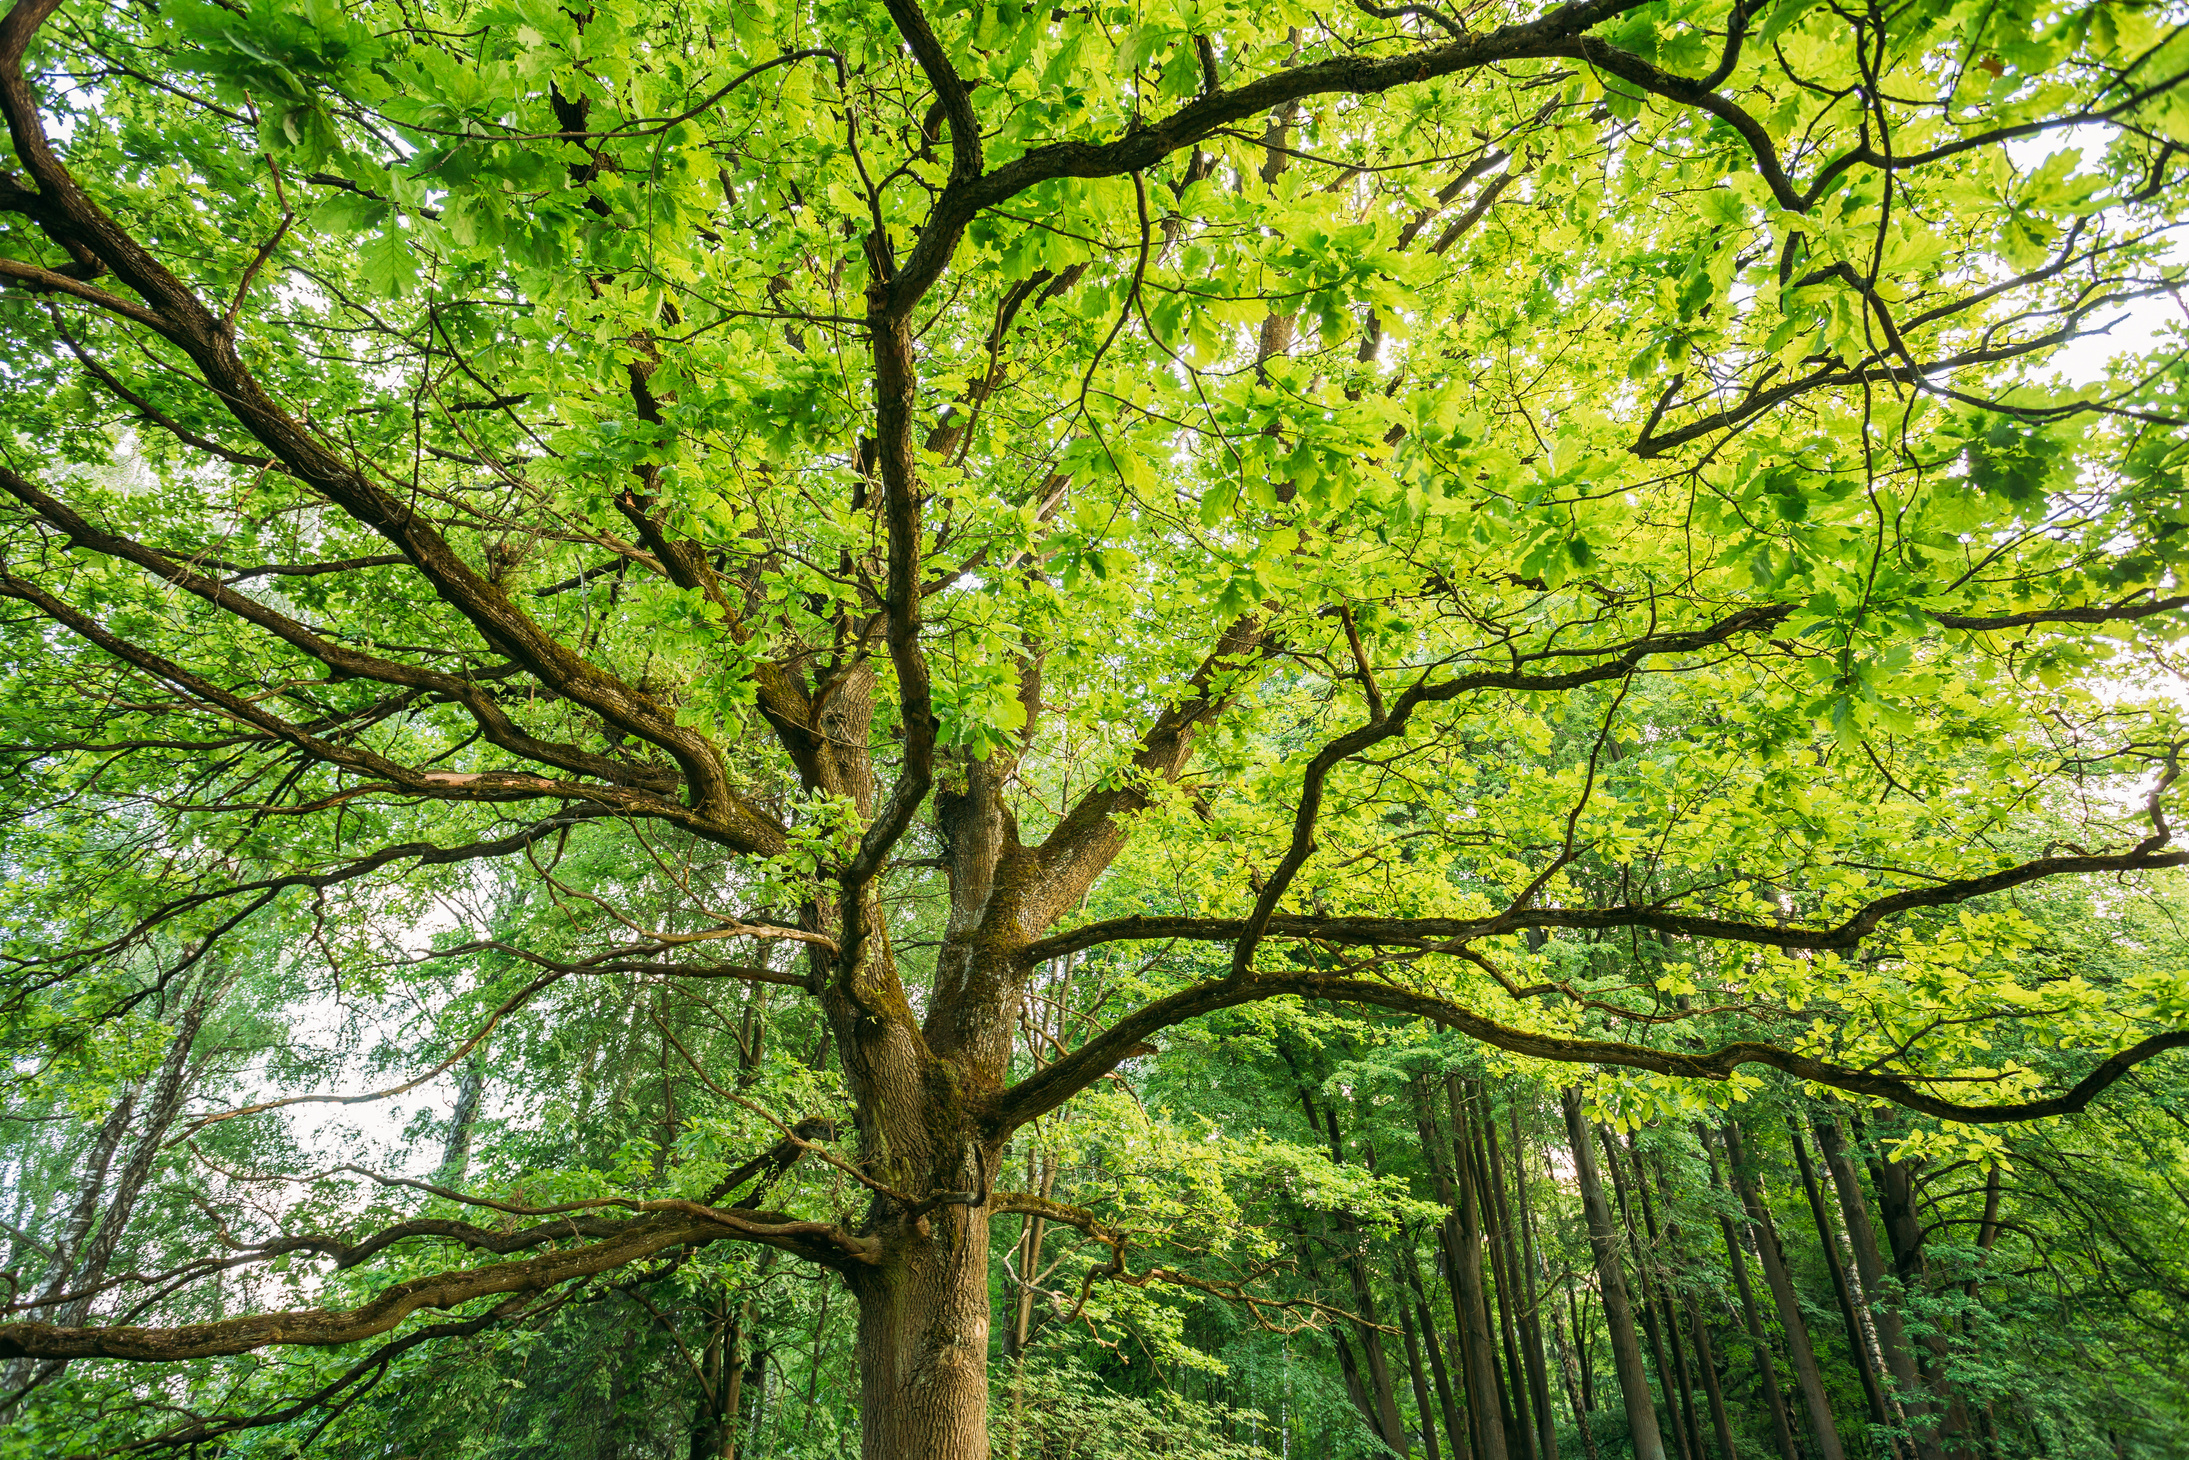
{"type": "Point", "coordinates": [1807, 1377]}
{"type": "Point", "coordinates": [1626, 1349]}
{"type": "Point", "coordinates": [922, 1346]}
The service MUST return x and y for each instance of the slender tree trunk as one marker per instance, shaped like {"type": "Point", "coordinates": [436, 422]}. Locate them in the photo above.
{"type": "Point", "coordinates": [1382, 1393]}
{"type": "Point", "coordinates": [1706, 1361]}
{"type": "Point", "coordinates": [1892, 1338]}
{"type": "Point", "coordinates": [456, 1149]}
{"type": "Point", "coordinates": [1647, 1296]}
{"type": "Point", "coordinates": [1577, 1391]}
{"type": "Point", "coordinates": [1807, 1377]}
{"type": "Point", "coordinates": [1626, 1350]}
{"type": "Point", "coordinates": [1519, 1425]}
{"type": "Point", "coordinates": [1421, 1382]}
{"type": "Point", "coordinates": [1357, 1387]}
{"type": "Point", "coordinates": [1033, 1233]}
{"type": "Point", "coordinates": [1895, 1185]}
{"type": "Point", "coordinates": [1661, 1280]}
{"type": "Point", "coordinates": [1581, 1350]}
{"type": "Point", "coordinates": [1455, 1425]}
{"type": "Point", "coordinates": [1520, 1256]}
{"type": "Point", "coordinates": [1872, 1393]}
{"type": "Point", "coordinates": [1782, 1430]}
{"type": "Point", "coordinates": [1477, 1347]}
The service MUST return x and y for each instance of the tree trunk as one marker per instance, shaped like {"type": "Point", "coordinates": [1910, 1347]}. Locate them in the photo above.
{"type": "Point", "coordinates": [1421, 1383]}
{"type": "Point", "coordinates": [1455, 1425]}
{"type": "Point", "coordinates": [1895, 1185]}
{"type": "Point", "coordinates": [1477, 1347]}
{"type": "Point", "coordinates": [1531, 1331]}
{"type": "Point", "coordinates": [1519, 1428]}
{"type": "Point", "coordinates": [1892, 1338]}
{"type": "Point", "coordinates": [456, 1149]}
{"type": "Point", "coordinates": [1660, 1280]}
{"type": "Point", "coordinates": [1382, 1394]}
{"type": "Point", "coordinates": [1577, 1394]}
{"type": "Point", "coordinates": [1651, 1323]}
{"type": "Point", "coordinates": [1807, 1378]}
{"type": "Point", "coordinates": [1706, 1361]}
{"type": "Point", "coordinates": [1857, 1345]}
{"type": "Point", "coordinates": [1626, 1349]}
{"type": "Point", "coordinates": [1782, 1430]}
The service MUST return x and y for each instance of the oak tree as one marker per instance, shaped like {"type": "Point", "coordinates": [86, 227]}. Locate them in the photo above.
{"type": "Point", "coordinates": [1381, 498]}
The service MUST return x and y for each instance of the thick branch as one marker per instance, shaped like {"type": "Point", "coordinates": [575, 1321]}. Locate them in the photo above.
{"type": "Point", "coordinates": [1058, 1082]}
{"type": "Point", "coordinates": [670, 1223]}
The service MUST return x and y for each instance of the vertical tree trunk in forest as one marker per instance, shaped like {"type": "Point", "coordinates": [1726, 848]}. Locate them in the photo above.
{"type": "Point", "coordinates": [1523, 1257]}
{"type": "Point", "coordinates": [1575, 1308]}
{"type": "Point", "coordinates": [1439, 1152]}
{"type": "Point", "coordinates": [1519, 1423]}
{"type": "Point", "coordinates": [1661, 1281]}
{"type": "Point", "coordinates": [456, 1149]}
{"type": "Point", "coordinates": [1894, 1182]}
{"type": "Point", "coordinates": [714, 1422]}
{"type": "Point", "coordinates": [1626, 1349]}
{"type": "Point", "coordinates": [1698, 1331]}
{"type": "Point", "coordinates": [1382, 1393]}
{"type": "Point", "coordinates": [1477, 1347]}
{"type": "Point", "coordinates": [1041, 1181]}
{"type": "Point", "coordinates": [170, 1083]}
{"type": "Point", "coordinates": [1892, 1338]}
{"type": "Point", "coordinates": [1455, 1425]}
{"type": "Point", "coordinates": [1421, 1383]}
{"type": "Point", "coordinates": [1807, 1377]}
{"type": "Point", "coordinates": [1382, 1423]}
{"type": "Point", "coordinates": [1647, 1294]}
{"type": "Point", "coordinates": [1707, 1361]}
{"type": "Point", "coordinates": [1857, 1342]}
{"type": "Point", "coordinates": [1782, 1430]}
{"type": "Point", "coordinates": [61, 1262]}
{"type": "Point", "coordinates": [1577, 1392]}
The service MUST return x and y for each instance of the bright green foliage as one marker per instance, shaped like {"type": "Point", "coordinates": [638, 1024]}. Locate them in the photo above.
{"type": "Point", "coordinates": [1572, 526]}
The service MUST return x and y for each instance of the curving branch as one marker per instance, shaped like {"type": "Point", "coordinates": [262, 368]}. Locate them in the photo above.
{"type": "Point", "coordinates": [1057, 1082]}
{"type": "Point", "coordinates": [1448, 934]}
{"type": "Point", "coordinates": [668, 1224]}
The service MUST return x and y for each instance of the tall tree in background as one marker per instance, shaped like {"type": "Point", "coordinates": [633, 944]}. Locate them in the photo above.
{"type": "Point", "coordinates": [1374, 485]}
